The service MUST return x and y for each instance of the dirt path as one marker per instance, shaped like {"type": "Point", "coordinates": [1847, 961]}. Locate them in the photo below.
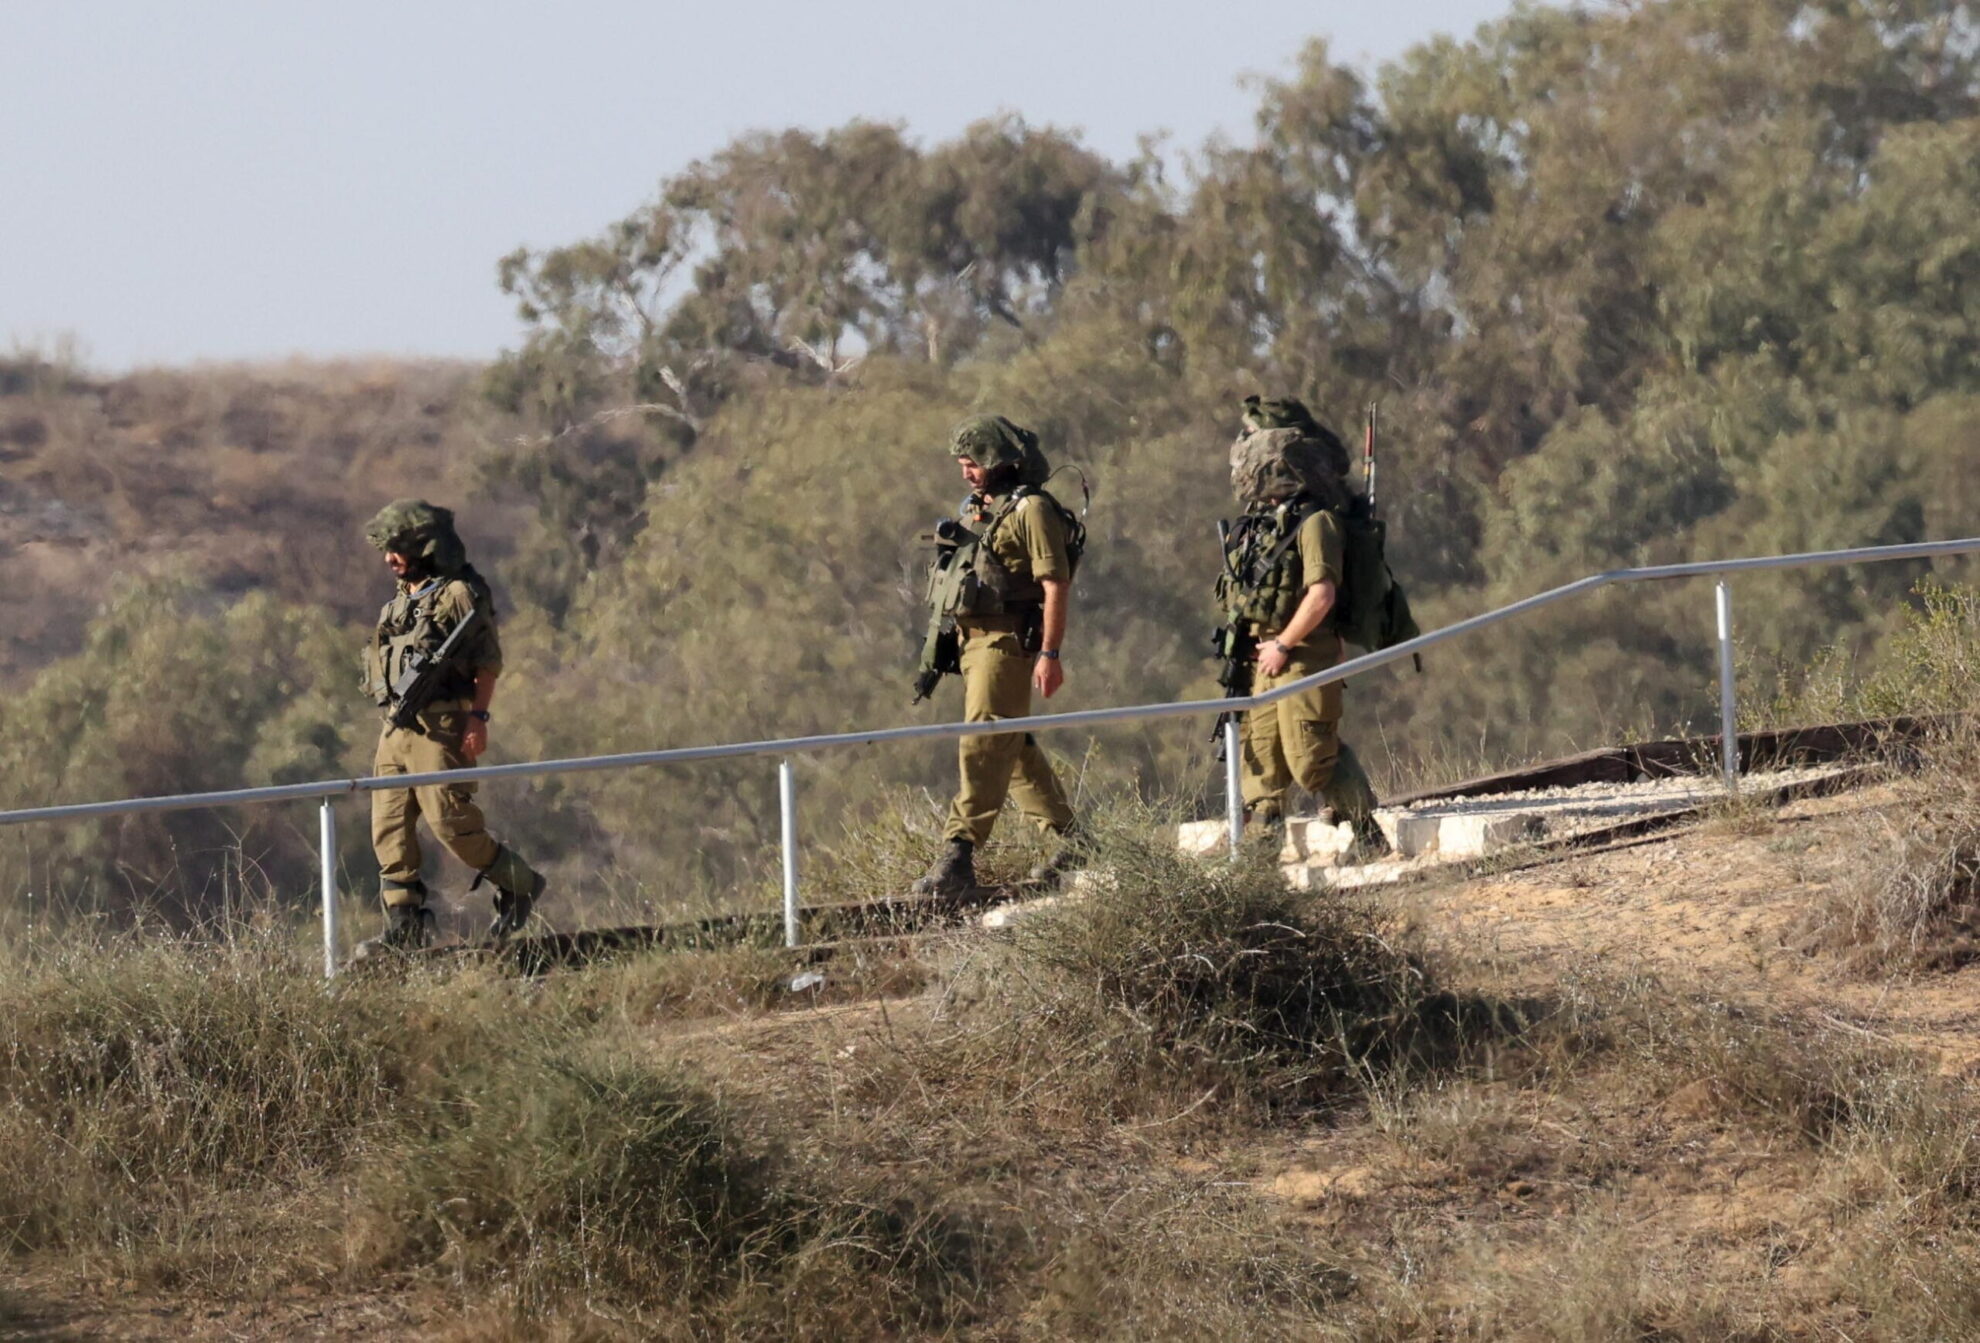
{"type": "Point", "coordinates": [1716, 904]}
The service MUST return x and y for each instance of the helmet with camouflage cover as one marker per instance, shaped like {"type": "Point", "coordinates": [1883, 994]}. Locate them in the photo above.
{"type": "Point", "coordinates": [1279, 412]}
{"type": "Point", "coordinates": [420, 531]}
{"type": "Point", "coordinates": [988, 440]}
{"type": "Point", "coordinates": [994, 442]}
{"type": "Point", "coordinates": [1282, 451]}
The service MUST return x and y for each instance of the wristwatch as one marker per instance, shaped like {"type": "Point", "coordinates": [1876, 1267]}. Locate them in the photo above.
{"type": "Point", "coordinates": [482, 714]}
{"type": "Point", "coordinates": [1051, 653]}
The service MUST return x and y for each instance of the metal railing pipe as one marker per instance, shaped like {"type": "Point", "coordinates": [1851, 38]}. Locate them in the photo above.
{"type": "Point", "coordinates": [1233, 783]}
{"type": "Point", "coordinates": [787, 816]}
{"type": "Point", "coordinates": [1034, 723]}
{"type": "Point", "coordinates": [1728, 704]}
{"type": "Point", "coordinates": [326, 838]}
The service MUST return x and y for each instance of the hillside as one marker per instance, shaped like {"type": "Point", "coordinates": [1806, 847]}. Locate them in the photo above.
{"type": "Point", "coordinates": [252, 478]}
{"type": "Point", "coordinates": [1669, 1104]}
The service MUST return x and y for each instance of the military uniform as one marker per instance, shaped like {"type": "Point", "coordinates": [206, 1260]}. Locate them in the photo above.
{"type": "Point", "coordinates": [1298, 738]}
{"type": "Point", "coordinates": [426, 609]}
{"type": "Point", "coordinates": [988, 584]}
{"type": "Point", "coordinates": [1029, 541]}
{"type": "Point", "coordinates": [1289, 470]}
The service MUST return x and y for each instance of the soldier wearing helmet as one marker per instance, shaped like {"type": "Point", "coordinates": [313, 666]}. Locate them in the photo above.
{"type": "Point", "coordinates": [1284, 564]}
{"type": "Point", "coordinates": [1008, 597]}
{"type": "Point", "coordinates": [443, 726]}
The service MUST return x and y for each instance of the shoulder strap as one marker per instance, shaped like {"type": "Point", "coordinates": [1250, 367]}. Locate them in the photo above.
{"type": "Point", "coordinates": [1301, 508]}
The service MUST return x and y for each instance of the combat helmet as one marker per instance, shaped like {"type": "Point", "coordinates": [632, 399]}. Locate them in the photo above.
{"type": "Point", "coordinates": [992, 441]}
{"type": "Point", "coordinates": [1282, 450]}
{"type": "Point", "coordinates": [420, 531]}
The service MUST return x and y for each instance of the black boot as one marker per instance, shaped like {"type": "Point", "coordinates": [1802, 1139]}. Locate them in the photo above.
{"type": "Point", "coordinates": [518, 887]}
{"type": "Point", "coordinates": [1264, 828]}
{"type": "Point", "coordinates": [407, 928]}
{"type": "Point", "coordinates": [954, 873]}
{"type": "Point", "coordinates": [1053, 870]}
{"type": "Point", "coordinates": [1370, 844]}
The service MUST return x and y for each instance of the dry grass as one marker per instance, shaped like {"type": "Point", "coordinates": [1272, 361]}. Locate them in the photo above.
{"type": "Point", "coordinates": [1173, 979]}
{"type": "Point", "coordinates": [1078, 1130]}
{"type": "Point", "coordinates": [198, 1116]}
{"type": "Point", "coordinates": [1911, 900]}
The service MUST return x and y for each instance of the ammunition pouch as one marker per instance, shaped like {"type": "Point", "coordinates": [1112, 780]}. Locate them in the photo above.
{"type": "Point", "coordinates": [1030, 625]}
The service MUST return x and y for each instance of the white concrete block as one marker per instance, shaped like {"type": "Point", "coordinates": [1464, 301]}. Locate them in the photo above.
{"type": "Point", "coordinates": [1310, 840]}
{"type": "Point", "coordinates": [1199, 837]}
{"type": "Point", "coordinates": [1003, 916]}
{"type": "Point", "coordinates": [1476, 836]}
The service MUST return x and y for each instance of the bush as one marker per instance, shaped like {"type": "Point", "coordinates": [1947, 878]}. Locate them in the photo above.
{"type": "Point", "coordinates": [1174, 974]}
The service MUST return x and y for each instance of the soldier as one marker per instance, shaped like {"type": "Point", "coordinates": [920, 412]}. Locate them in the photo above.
{"type": "Point", "coordinates": [1283, 562]}
{"type": "Point", "coordinates": [445, 716]}
{"type": "Point", "coordinates": [1007, 590]}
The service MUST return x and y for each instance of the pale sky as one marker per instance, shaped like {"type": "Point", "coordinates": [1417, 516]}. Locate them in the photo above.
{"type": "Point", "coordinates": [250, 179]}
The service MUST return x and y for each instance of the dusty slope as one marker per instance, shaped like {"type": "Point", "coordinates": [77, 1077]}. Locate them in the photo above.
{"type": "Point", "coordinates": [244, 477]}
{"type": "Point", "coordinates": [1716, 905]}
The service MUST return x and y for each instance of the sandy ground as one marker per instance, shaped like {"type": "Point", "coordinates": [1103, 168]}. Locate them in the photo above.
{"type": "Point", "coordinates": [1713, 906]}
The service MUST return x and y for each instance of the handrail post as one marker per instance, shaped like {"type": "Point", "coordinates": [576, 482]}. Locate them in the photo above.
{"type": "Point", "coordinates": [1728, 706]}
{"type": "Point", "coordinates": [787, 806]}
{"type": "Point", "coordinates": [326, 838]}
{"type": "Point", "coordinates": [1233, 785]}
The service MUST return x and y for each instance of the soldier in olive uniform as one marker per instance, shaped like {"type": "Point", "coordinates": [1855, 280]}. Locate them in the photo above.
{"type": "Point", "coordinates": [437, 591]}
{"type": "Point", "coordinates": [1009, 607]}
{"type": "Point", "coordinates": [1282, 577]}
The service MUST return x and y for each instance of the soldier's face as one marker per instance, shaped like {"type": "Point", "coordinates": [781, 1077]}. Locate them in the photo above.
{"type": "Point", "coordinates": [974, 475]}
{"type": "Point", "coordinates": [400, 565]}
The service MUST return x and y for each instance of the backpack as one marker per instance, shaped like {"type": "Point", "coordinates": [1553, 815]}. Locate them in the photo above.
{"type": "Point", "coordinates": [1371, 609]}
{"type": "Point", "coordinates": [1074, 522]}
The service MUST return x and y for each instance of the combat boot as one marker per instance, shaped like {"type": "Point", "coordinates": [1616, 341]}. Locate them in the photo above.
{"type": "Point", "coordinates": [512, 909]}
{"type": "Point", "coordinates": [518, 886]}
{"type": "Point", "coordinates": [1370, 844]}
{"type": "Point", "coordinates": [407, 928]}
{"type": "Point", "coordinates": [1053, 870]}
{"type": "Point", "coordinates": [1264, 829]}
{"type": "Point", "coordinates": [954, 873]}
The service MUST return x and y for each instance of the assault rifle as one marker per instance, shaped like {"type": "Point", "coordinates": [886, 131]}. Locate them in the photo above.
{"type": "Point", "coordinates": [1235, 649]}
{"type": "Point", "coordinates": [941, 648]}
{"type": "Point", "coordinates": [419, 677]}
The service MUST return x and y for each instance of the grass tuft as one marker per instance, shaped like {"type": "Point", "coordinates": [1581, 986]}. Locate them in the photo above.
{"type": "Point", "coordinates": [1171, 976]}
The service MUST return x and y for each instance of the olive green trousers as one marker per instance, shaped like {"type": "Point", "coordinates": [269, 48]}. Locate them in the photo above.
{"type": "Point", "coordinates": [449, 808]}
{"type": "Point", "coordinates": [996, 677]}
{"type": "Point", "coordinates": [1298, 740]}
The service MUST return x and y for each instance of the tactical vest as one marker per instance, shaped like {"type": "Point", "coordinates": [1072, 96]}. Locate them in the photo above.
{"type": "Point", "coordinates": [970, 579]}
{"type": "Point", "coordinates": [406, 624]}
{"type": "Point", "coordinates": [1261, 582]}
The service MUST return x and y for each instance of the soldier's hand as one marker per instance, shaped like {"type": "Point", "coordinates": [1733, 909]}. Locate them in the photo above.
{"type": "Point", "coordinates": [474, 740]}
{"type": "Point", "coordinates": [1272, 657]}
{"type": "Point", "coordinates": [1047, 676]}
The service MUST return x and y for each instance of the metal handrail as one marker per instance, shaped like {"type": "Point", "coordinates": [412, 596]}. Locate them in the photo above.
{"type": "Point", "coordinates": [329, 789]}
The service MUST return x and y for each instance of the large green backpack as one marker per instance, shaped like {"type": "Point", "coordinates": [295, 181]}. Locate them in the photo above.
{"type": "Point", "coordinates": [1371, 609]}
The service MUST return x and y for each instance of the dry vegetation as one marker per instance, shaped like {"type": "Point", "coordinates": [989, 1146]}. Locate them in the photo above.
{"type": "Point", "coordinates": [242, 478]}
{"type": "Point", "coordinates": [1190, 1104]}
